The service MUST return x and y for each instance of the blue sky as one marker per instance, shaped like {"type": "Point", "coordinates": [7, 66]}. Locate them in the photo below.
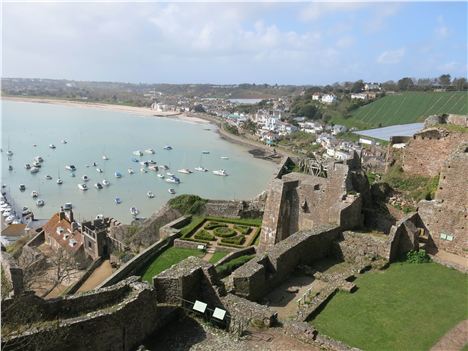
{"type": "Point", "coordinates": [223, 43]}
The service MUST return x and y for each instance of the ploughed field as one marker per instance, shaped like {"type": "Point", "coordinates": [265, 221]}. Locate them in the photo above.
{"type": "Point", "coordinates": [406, 307]}
{"type": "Point", "coordinates": [409, 107]}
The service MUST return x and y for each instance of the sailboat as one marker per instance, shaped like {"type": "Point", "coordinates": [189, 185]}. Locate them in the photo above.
{"type": "Point", "coordinates": [59, 180]}
{"type": "Point", "coordinates": [201, 168]}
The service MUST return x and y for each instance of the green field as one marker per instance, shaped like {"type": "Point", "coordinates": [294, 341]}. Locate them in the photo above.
{"type": "Point", "coordinates": [408, 107]}
{"type": "Point", "coordinates": [406, 307]}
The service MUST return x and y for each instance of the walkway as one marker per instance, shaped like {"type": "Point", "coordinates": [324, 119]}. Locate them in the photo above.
{"type": "Point", "coordinates": [455, 339]}
{"type": "Point", "coordinates": [97, 277]}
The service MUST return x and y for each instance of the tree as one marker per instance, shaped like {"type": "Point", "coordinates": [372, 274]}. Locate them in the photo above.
{"type": "Point", "coordinates": [405, 84]}
{"type": "Point", "coordinates": [389, 85]}
{"type": "Point", "coordinates": [445, 80]}
{"type": "Point", "coordinates": [250, 126]}
{"type": "Point", "coordinates": [460, 84]}
{"type": "Point", "coordinates": [358, 86]}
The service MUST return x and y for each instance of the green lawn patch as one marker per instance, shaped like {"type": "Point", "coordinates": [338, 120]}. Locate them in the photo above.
{"type": "Point", "coordinates": [226, 268]}
{"type": "Point", "coordinates": [194, 224]}
{"type": "Point", "coordinates": [406, 307]}
{"type": "Point", "coordinates": [217, 256]}
{"type": "Point", "coordinates": [169, 257]}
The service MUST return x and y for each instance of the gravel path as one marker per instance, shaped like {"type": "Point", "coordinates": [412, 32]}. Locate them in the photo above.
{"type": "Point", "coordinates": [455, 339]}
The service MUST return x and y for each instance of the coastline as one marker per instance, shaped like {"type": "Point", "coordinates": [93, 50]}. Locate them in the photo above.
{"type": "Point", "coordinates": [140, 111]}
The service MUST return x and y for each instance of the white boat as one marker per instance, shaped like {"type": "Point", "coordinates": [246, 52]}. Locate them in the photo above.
{"type": "Point", "coordinates": [34, 170]}
{"type": "Point", "coordinates": [67, 206]}
{"type": "Point", "coordinates": [52, 146]}
{"type": "Point", "coordinates": [185, 171]}
{"type": "Point", "coordinates": [151, 162]}
{"type": "Point", "coordinates": [27, 166]}
{"type": "Point", "coordinates": [70, 168]}
{"type": "Point", "coordinates": [138, 153]}
{"type": "Point", "coordinates": [9, 219]}
{"type": "Point", "coordinates": [94, 164]}
{"type": "Point", "coordinates": [105, 158]}
{"type": "Point", "coordinates": [82, 187]}
{"type": "Point", "coordinates": [171, 191]}
{"type": "Point", "coordinates": [153, 168]}
{"type": "Point", "coordinates": [48, 177]}
{"type": "Point", "coordinates": [9, 153]}
{"type": "Point", "coordinates": [85, 178]}
{"type": "Point", "coordinates": [160, 175]}
{"type": "Point", "coordinates": [105, 182]}
{"type": "Point", "coordinates": [143, 170]}
{"type": "Point", "coordinates": [165, 167]}
{"type": "Point", "coordinates": [201, 169]}
{"type": "Point", "coordinates": [36, 164]}
{"type": "Point", "coordinates": [98, 170]}
{"type": "Point", "coordinates": [169, 174]}
{"type": "Point", "coordinates": [150, 194]}
{"type": "Point", "coordinates": [173, 179]}
{"type": "Point", "coordinates": [168, 147]}
{"type": "Point", "coordinates": [38, 159]}
{"type": "Point", "coordinates": [117, 201]}
{"type": "Point", "coordinates": [118, 174]}
{"type": "Point", "coordinates": [40, 203]}
{"type": "Point", "coordinates": [149, 151]}
{"type": "Point", "coordinates": [134, 211]}
{"type": "Point", "coordinates": [34, 194]}
{"type": "Point", "coordinates": [130, 171]}
{"type": "Point", "coordinates": [224, 158]}
{"type": "Point", "coordinates": [98, 186]}
{"type": "Point", "coordinates": [220, 172]}
{"type": "Point", "coordinates": [64, 141]}
{"type": "Point", "coordinates": [59, 181]}
{"type": "Point", "coordinates": [22, 187]}
{"type": "Point", "coordinates": [144, 163]}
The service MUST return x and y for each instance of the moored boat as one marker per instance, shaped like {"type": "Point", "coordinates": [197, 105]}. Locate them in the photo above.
{"type": "Point", "coordinates": [99, 170]}
{"type": "Point", "coordinates": [130, 171]}
{"type": "Point", "coordinates": [138, 153]}
{"type": "Point", "coordinates": [220, 172]}
{"type": "Point", "coordinates": [184, 171]}
{"type": "Point", "coordinates": [85, 178]}
{"type": "Point", "coordinates": [171, 191]}
{"type": "Point", "coordinates": [67, 206]}
{"type": "Point", "coordinates": [134, 211]}
{"type": "Point", "coordinates": [48, 177]}
{"type": "Point", "coordinates": [173, 179]}
{"type": "Point", "coordinates": [168, 147]}
{"type": "Point", "coordinates": [105, 158]}
{"type": "Point", "coordinates": [70, 168]}
{"type": "Point", "coordinates": [150, 194]}
{"type": "Point", "coordinates": [22, 187]}
{"type": "Point", "coordinates": [59, 181]}
{"type": "Point", "coordinates": [98, 186]}
{"type": "Point", "coordinates": [149, 151]}
{"type": "Point", "coordinates": [34, 170]}
{"type": "Point", "coordinates": [201, 169]}
{"type": "Point", "coordinates": [160, 175]}
{"type": "Point", "coordinates": [224, 158]}
{"type": "Point", "coordinates": [118, 174]}
{"type": "Point", "coordinates": [27, 166]}
{"type": "Point", "coordinates": [52, 146]}
{"type": "Point", "coordinates": [40, 203]}
{"type": "Point", "coordinates": [105, 182]}
{"type": "Point", "coordinates": [82, 187]}
{"type": "Point", "coordinates": [34, 194]}
{"type": "Point", "coordinates": [117, 201]}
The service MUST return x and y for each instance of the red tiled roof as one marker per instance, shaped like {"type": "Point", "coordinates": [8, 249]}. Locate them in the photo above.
{"type": "Point", "coordinates": [50, 228]}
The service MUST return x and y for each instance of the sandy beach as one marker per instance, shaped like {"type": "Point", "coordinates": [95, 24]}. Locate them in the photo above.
{"type": "Point", "coordinates": [140, 111]}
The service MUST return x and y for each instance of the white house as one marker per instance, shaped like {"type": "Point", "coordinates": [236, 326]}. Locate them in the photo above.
{"type": "Point", "coordinates": [337, 129]}
{"type": "Point", "coordinates": [328, 99]}
{"type": "Point", "coordinates": [286, 128]}
{"type": "Point", "coordinates": [358, 96]}
{"type": "Point", "coordinates": [316, 96]}
{"type": "Point", "coordinates": [366, 141]}
{"type": "Point", "coordinates": [371, 86]}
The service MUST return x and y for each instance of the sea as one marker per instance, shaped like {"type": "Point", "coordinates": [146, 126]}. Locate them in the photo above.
{"type": "Point", "coordinates": [28, 129]}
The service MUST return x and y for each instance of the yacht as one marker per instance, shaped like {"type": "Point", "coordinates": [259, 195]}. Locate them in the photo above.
{"type": "Point", "coordinates": [150, 194]}
{"type": "Point", "coordinates": [153, 168]}
{"type": "Point", "coordinates": [205, 152]}
{"type": "Point", "coordinates": [40, 203]}
{"type": "Point", "coordinates": [9, 153]}
{"type": "Point", "coordinates": [36, 164]}
{"type": "Point", "coordinates": [82, 187]}
{"type": "Point", "coordinates": [173, 179]}
{"type": "Point", "coordinates": [143, 170]}
{"type": "Point", "coordinates": [48, 177]}
{"type": "Point", "coordinates": [118, 174]}
{"type": "Point", "coordinates": [27, 166]}
{"type": "Point", "coordinates": [130, 171]}
{"type": "Point", "coordinates": [67, 206]}
{"type": "Point", "coordinates": [117, 201]}
{"type": "Point", "coordinates": [169, 174]}
{"type": "Point", "coordinates": [168, 147]}
{"type": "Point", "coordinates": [134, 211]}
{"type": "Point", "coordinates": [144, 163]}
{"type": "Point", "coordinates": [171, 191]}
{"type": "Point", "coordinates": [99, 170]}
{"type": "Point", "coordinates": [38, 159]}
{"type": "Point", "coordinates": [220, 172]}
{"type": "Point", "coordinates": [105, 158]}
{"type": "Point", "coordinates": [85, 178]}
{"type": "Point", "coordinates": [105, 182]}
{"type": "Point", "coordinates": [59, 181]}
{"type": "Point", "coordinates": [52, 146]}
{"type": "Point", "coordinates": [185, 171]}
{"type": "Point", "coordinates": [224, 158]}
{"type": "Point", "coordinates": [201, 169]}
{"type": "Point", "coordinates": [149, 151]}
{"type": "Point", "coordinates": [64, 141]}
{"type": "Point", "coordinates": [34, 170]}
{"type": "Point", "coordinates": [160, 175]}
{"type": "Point", "coordinates": [138, 153]}
{"type": "Point", "coordinates": [165, 167]}
{"type": "Point", "coordinates": [70, 168]}
{"type": "Point", "coordinates": [22, 187]}
{"type": "Point", "coordinates": [98, 186]}
{"type": "Point", "coordinates": [34, 194]}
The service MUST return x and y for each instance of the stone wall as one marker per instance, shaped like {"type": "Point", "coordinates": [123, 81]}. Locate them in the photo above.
{"type": "Point", "coordinates": [446, 217]}
{"type": "Point", "coordinates": [356, 247]}
{"type": "Point", "coordinates": [235, 253]}
{"type": "Point", "coordinates": [404, 236]}
{"type": "Point", "coordinates": [267, 270]}
{"type": "Point", "coordinates": [12, 272]}
{"type": "Point", "coordinates": [174, 226]}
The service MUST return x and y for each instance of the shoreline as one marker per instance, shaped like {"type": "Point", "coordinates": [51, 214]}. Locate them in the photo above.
{"type": "Point", "coordinates": [141, 111]}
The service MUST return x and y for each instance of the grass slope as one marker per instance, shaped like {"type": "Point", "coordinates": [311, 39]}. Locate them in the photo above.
{"type": "Point", "coordinates": [409, 107]}
{"type": "Point", "coordinates": [169, 257]}
{"type": "Point", "coordinates": [406, 307]}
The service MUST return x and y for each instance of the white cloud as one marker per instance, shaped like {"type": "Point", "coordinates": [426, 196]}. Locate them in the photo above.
{"type": "Point", "coordinates": [316, 10]}
{"type": "Point", "coordinates": [441, 31]}
{"type": "Point", "coordinates": [391, 56]}
{"type": "Point", "coordinates": [345, 42]}
{"type": "Point", "coordinates": [380, 16]}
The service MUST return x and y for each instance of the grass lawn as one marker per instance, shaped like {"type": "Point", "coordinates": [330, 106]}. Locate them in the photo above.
{"type": "Point", "coordinates": [169, 257]}
{"type": "Point", "coordinates": [217, 256]}
{"type": "Point", "coordinates": [406, 307]}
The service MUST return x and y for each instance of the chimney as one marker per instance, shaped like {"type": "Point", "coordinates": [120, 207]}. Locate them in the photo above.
{"type": "Point", "coordinates": [69, 214]}
{"type": "Point", "coordinates": [61, 213]}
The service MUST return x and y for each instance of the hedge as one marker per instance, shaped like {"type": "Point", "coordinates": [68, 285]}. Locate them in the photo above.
{"type": "Point", "coordinates": [227, 268]}
{"type": "Point", "coordinates": [204, 235]}
{"type": "Point", "coordinates": [213, 225]}
{"type": "Point", "coordinates": [224, 232]}
{"type": "Point", "coordinates": [242, 229]}
{"type": "Point", "coordinates": [255, 236]}
{"type": "Point", "coordinates": [237, 240]}
{"type": "Point", "coordinates": [242, 221]}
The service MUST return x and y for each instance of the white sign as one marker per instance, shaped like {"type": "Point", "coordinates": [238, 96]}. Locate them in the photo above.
{"type": "Point", "coordinates": [199, 306]}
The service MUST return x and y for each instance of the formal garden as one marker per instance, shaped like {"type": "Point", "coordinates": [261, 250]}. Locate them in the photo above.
{"type": "Point", "coordinates": [219, 231]}
{"type": "Point", "coordinates": [405, 307]}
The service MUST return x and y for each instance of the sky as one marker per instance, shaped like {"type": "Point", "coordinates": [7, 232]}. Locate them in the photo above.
{"type": "Point", "coordinates": [228, 43]}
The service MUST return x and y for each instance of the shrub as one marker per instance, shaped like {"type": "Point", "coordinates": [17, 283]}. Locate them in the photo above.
{"type": "Point", "coordinates": [224, 232]}
{"type": "Point", "coordinates": [237, 240]}
{"type": "Point", "coordinates": [213, 225]}
{"type": "Point", "coordinates": [242, 229]}
{"type": "Point", "coordinates": [419, 256]}
{"type": "Point", "coordinates": [228, 267]}
{"type": "Point", "coordinates": [204, 235]}
{"type": "Point", "coordinates": [187, 204]}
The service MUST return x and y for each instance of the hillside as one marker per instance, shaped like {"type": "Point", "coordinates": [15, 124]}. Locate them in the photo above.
{"type": "Point", "coordinates": [408, 107]}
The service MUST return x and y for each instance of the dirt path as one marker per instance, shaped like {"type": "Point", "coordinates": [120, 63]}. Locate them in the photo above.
{"type": "Point", "coordinates": [97, 277]}
{"type": "Point", "coordinates": [455, 339]}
